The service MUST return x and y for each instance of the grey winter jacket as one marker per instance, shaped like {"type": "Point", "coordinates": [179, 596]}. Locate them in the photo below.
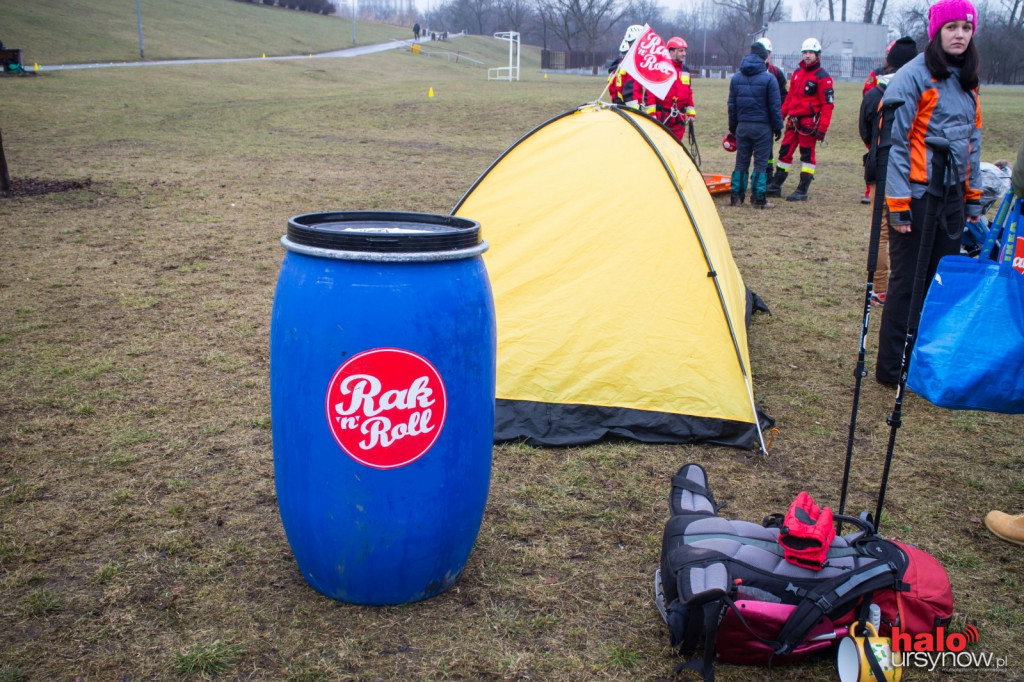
{"type": "Point", "coordinates": [932, 108]}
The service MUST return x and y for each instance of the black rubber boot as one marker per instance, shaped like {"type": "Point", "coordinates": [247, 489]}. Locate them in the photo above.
{"type": "Point", "coordinates": [774, 188]}
{"type": "Point", "coordinates": [800, 193]}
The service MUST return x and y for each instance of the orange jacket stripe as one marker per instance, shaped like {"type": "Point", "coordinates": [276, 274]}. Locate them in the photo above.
{"type": "Point", "coordinates": [918, 149]}
{"type": "Point", "coordinates": [969, 193]}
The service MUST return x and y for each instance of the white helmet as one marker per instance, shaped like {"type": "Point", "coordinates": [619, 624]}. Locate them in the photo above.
{"type": "Point", "coordinates": [767, 43]}
{"type": "Point", "coordinates": [632, 33]}
{"type": "Point", "coordinates": [811, 45]}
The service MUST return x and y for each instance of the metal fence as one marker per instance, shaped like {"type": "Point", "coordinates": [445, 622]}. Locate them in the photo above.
{"type": "Point", "coordinates": [577, 60]}
{"type": "Point", "coordinates": [840, 67]}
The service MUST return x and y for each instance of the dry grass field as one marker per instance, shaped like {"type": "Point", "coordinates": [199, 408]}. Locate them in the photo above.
{"type": "Point", "coordinates": [139, 534]}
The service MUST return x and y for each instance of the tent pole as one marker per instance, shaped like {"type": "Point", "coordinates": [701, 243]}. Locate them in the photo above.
{"type": "Point", "coordinates": [712, 274]}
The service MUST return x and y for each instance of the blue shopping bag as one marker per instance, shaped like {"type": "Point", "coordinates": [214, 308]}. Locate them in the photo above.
{"type": "Point", "coordinates": [969, 351]}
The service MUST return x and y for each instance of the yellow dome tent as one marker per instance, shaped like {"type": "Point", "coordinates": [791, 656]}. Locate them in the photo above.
{"type": "Point", "coordinates": [620, 310]}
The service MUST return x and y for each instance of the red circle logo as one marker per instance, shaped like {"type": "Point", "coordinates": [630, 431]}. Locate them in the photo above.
{"type": "Point", "coordinates": [653, 60]}
{"type": "Point", "coordinates": [386, 407]}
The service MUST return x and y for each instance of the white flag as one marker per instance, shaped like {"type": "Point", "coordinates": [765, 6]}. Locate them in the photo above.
{"type": "Point", "coordinates": [650, 64]}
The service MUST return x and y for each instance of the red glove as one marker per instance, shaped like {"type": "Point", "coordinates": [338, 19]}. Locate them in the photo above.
{"type": "Point", "coordinates": [807, 533]}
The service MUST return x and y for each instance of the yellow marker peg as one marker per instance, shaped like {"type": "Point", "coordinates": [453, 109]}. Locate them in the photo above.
{"type": "Point", "coordinates": [264, 55]}
{"type": "Point", "coordinates": [545, 76]}
{"type": "Point", "coordinates": [430, 93]}
{"type": "Point", "coordinates": [37, 66]}
{"type": "Point", "coordinates": [310, 55]}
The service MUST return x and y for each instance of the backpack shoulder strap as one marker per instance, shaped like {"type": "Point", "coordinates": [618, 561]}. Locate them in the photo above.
{"type": "Point", "coordinates": [704, 591]}
{"type": "Point", "coordinates": [693, 479]}
{"type": "Point", "coordinates": [841, 592]}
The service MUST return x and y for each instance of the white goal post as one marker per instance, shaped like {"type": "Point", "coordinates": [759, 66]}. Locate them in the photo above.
{"type": "Point", "coordinates": [510, 72]}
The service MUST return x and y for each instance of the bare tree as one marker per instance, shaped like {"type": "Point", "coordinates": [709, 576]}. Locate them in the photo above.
{"type": "Point", "coordinates": [687, 25]}
{"type": "Point", "coordinates": [1001, 43]}
{"type": "Point", "coordinates": [1013, 14]}
{"type": "Point", "coordinates": [595, 17]}
{"type": "Point", "coordinates": [733, 36]}
{"type": "Point", "coordinates": [643, 12]}
{"type": "Point", "coordinates": [475, 16]}
{"type": "Point", "coordinates": [637, 12]}
{"type": "Point", "coordinates": [912, 21]}
{"type": "Point", "coordinates": [757, 12]}
{"type": "Point", "coordinates": [482, 12]}
{"type": "Point", "coordinates": [559, 23]}
{"type": "Point", "coordinates": [811, 9]}
{"type": "Point", "coordinates": [580, 24]}
{"type": "Point", "coordinates": [545, 19]}
{"type": "Point", "coordinates": [869, 11]}
{"type": "Point", "coordinates": [514, 14]}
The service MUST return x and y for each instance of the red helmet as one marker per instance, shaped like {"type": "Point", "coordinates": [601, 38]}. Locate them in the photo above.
{"type": "Point", "coordinates": [729, 143]}
{"type": "Point", "coordinates": [675, 42]}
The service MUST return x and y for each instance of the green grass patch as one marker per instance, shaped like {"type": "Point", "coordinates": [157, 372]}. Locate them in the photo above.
{"type": "Point", "coordinates": [206, 660]}
{"type": "Point", "coordinates": [40, 603]}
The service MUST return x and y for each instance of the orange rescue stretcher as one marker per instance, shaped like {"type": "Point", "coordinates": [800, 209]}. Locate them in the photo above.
{"type": "Point", "coordinates": [717, 184]}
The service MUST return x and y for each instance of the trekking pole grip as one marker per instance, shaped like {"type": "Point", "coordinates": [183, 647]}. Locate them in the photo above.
{"type": "Point", "coordinates": [881, 173]}
{"type": "Point", "coordinates": [889, 108]}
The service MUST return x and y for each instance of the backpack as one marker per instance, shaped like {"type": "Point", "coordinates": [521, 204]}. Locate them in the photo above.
{"type": "Point", "coordinates": [726, 584]}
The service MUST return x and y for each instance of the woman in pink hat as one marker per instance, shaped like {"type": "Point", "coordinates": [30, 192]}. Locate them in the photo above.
{"type": "Point", "coordinates": [939, 88]}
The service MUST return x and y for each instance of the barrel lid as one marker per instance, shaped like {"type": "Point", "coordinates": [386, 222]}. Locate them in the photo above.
{"type": "Point", "coordinates": [383, 231]}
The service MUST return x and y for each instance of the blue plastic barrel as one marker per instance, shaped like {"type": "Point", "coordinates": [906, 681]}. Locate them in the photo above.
{"type": "Point", "coordinates": [382, 370]}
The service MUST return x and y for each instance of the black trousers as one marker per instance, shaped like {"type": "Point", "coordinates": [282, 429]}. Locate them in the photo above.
{"type": "Point", "coordinates": [903, 255]}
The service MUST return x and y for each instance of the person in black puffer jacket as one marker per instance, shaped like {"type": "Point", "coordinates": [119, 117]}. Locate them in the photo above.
{"type": "Point", "coordinates": [755, 115]}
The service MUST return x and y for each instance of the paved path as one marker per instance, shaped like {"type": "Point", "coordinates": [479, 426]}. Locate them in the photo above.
{"type": "Point", "coordinates": [350, 52]}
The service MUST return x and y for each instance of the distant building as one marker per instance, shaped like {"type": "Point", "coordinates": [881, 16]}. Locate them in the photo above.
{"type": "Point", "coordinates": [848, 49]}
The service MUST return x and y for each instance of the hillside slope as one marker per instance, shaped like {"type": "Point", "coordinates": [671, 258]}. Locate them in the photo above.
{"type": "Point", "coordinates": [84, 31]}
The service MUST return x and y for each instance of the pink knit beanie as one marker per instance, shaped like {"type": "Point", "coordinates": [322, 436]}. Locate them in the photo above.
{"type": "Point", "coordinates": [945, 11]}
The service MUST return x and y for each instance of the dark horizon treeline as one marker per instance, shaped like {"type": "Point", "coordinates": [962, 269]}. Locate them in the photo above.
{"type": "Point", "coordinates": [719, 32]}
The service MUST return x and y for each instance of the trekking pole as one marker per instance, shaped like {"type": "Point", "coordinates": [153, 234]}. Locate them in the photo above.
{"type": "Point", "coordinates": [939, 147]}
{"type": "Point", "coordinates": [884, 142]}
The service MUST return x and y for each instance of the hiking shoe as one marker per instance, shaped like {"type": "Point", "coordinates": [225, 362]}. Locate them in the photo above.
{"type": "Point", "coordinates": [762, 204]}
{"type": "Point", "coordinates": [878, 298]}
{"type": "Point", "coordinates": [735, 200]}
{"type": "Point", "coordinates": [1007, 527]}
{"type": "Point", "coordinates": [865, 199]}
